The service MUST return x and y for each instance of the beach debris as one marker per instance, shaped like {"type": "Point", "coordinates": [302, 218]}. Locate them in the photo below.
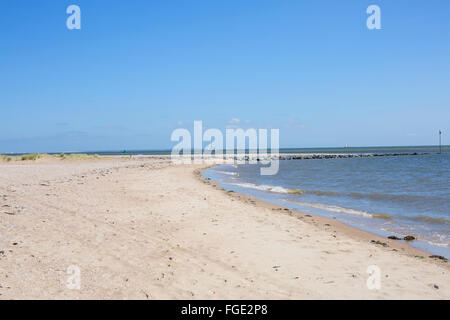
{"type": "Point", "coordinates": [436, 286]}
{"type": "Point", "coordinates": [394, 238]}
{"type": "Point", "coordinates": [439, 257]}
{"type": "Point", "coordinates": [6, 206]}
{"type": "Point", "coordinates": [146, 294]}
{"type": "Point", "coordinates": [409, 238]}
{"type": "Point", "coordinates": [276, 267]}
{"type": "Point", "coordinates": [384, 244]}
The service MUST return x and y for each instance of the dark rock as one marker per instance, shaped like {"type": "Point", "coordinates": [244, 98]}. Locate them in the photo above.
{"type": "Point", "coordinates": [394, 238]}
{"type": "Point", "coordinates": [439, 257]}
{"type": "Point", "coordinates": [380, 243]}
{"type": "Point", "coordinates": [409, 238]}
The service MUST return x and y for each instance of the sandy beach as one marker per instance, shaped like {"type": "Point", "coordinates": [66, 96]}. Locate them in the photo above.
{"type": "Point", "coordinates": [148, 229]}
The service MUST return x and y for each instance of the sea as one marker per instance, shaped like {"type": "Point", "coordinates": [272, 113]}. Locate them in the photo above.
{"type": "Point", "coordinates": [391, 195]}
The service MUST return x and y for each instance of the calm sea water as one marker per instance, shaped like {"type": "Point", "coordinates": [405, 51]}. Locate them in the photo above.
{"type": "Point", "coordinates": [393, 195]}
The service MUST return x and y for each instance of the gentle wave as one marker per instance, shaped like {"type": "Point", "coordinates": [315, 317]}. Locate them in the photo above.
{"type": "Point", "coordinates": [278, 189]}
{"type": "Point", "coordinates": [228, 173]}
{"type": "Point", "coordinates": [429, 219]}
{"type": "Point", "coordinates": [439, 244]}
{"type": "Point", "coordinates": [356, 195]}
{"type": "Point", "coordinates": [393, 197]}
{"type": "Point", "coordinates": [338, 209]}
{"type": "Point", "coordinates": [434, 239]}
{"type": "Point", "coordinates": [275, 189]}
{"type": "Point", "coordinates": [333, 208]}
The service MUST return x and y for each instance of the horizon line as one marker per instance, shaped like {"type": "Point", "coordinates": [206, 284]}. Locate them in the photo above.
{"type": "Point", "coordinates": [136, 151]}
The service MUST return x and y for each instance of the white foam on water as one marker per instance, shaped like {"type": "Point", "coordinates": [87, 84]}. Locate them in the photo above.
{"type": "Point", "coordinates": [332, 208]}
{"type": "Point", "coordinates": [326, 207]}
{"type": "Point", "coordinates": [275, 189]}
{"type": "Point", "coordinates": [228, 173]}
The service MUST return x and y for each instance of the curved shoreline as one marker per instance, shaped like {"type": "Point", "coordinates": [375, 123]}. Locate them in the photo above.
{"type": "Point", "coordinates": [351, 231]}
{"type": "Point", "coordinates": [149, 229]}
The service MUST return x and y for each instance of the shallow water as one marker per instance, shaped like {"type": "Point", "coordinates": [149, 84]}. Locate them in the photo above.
{"type": "Point", "coordinates": [406, 195]}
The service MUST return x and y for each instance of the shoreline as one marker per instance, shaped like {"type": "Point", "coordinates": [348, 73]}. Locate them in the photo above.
{"type": "Point", "coordinates": [315, 219]}
{"type": "Point", "coordinates": [149, 229]}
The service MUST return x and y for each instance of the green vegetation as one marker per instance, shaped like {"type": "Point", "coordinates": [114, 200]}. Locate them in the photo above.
{"type": "Point", "coordinates": [30, 157]}
{"type": "Point", "coordinates": [78, 156]}
{"type": "Point", "coordinates": [5, 158]}
{"type": "Point", "coordinates": [25, 157]}
{"type": "Point", "coordinates": [36, 156]}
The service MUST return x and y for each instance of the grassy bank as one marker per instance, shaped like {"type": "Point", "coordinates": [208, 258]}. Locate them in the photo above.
{"type": "Point", "coordinates": [37, 156]}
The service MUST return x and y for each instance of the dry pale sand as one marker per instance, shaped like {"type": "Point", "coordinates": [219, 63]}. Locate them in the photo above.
{"type": "Point", "coordinates": [145, 229]}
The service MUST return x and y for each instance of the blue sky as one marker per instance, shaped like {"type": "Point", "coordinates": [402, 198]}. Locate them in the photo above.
{"type": "Point", "coordinates": [139, 69]}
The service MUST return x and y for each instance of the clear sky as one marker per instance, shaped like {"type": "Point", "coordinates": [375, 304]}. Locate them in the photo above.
{"type": "Point", "coordinates": [139, 69]}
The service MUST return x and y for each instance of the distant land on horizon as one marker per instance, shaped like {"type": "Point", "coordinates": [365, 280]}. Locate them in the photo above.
{"type": "Point", "coordinates": [369, 149]}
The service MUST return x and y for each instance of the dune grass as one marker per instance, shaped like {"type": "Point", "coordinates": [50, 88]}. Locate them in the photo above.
{"type": "Point", "coordinates": [30, 157]}
{"type": "Point", "coordinates": [37, 156]}
{"type": "Point", "coordinates": [6, 158]}
{"type": "Point", "coordinates": [78, 156]}
{"type": "Point", "coordinates": [24, 157]}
